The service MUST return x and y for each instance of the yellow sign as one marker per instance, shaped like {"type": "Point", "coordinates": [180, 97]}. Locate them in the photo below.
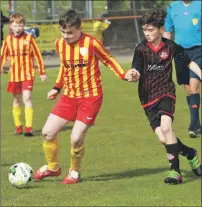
{"type": "Point", "coordinates": [50, 32]}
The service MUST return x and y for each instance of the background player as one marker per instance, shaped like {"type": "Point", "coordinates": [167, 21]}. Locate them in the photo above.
{"type": "Point", "coordinates": [184, 17]}
{"type": "Point", "coordinates": [21, 50]}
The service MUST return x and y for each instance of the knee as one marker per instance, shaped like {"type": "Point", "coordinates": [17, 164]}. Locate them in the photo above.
{"type": "Point", "coordinates": [17, 101]}
{"type": "Point", "coordinates": [76, 141]}
{"type": "Point", "coordinates": [194, 88]}
{"type": "Point", "coordinates": [165, 129]}
{"type": "Point", "coordinates": [162, 141]}
{"type": "Point", "coordinates": [27, 99]}
{"type": "Point", "coordinates": [194, 91]}
{"type": "Point", "coordinates": [48, 135]}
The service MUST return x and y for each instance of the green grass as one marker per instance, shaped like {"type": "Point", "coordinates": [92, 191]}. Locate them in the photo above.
{"type": "Point", "coordinates": [124, 164]}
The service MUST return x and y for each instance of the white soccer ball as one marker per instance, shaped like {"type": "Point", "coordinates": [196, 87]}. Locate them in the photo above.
{"type": "Point", "coordinates": [20, 174]}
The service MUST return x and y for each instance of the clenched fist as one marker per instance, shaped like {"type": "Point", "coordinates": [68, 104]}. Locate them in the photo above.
{"type": "Point", "coordinates": [132, 75]}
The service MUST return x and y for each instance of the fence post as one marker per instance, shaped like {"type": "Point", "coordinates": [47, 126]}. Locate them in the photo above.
{"type": "Point", "coordinates": [53, 9]}
{"type": "Point", "coordinates": [12, 5]}
{"type": "Point", "coordinates": [34, 10]}
{"type": "Point", "coordinates": [90, 9]}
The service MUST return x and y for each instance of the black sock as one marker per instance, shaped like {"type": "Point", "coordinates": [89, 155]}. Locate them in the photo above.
{"type": "Point", "coordinates": [186, 151]}
{"type": "Point", "coordinates": [194, 101]}
{"type": "Point", "coordinates": [172, 154]}
{"type": "Point", "coordinates": [198, 102]}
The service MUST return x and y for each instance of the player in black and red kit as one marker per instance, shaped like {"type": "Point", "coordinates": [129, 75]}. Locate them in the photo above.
{"type": "Point", "coordinates": [153, 61]}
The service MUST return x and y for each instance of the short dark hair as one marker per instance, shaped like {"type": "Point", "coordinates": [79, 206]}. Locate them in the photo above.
{"type": "Point", "coordinates": [70, 18]}
{"type": "Point", "coordinates": [154, 17]}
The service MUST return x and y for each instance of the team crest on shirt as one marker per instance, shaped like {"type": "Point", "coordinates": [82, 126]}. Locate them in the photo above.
{"type": "Point", "coordinates": [163, 55]}
{"type": "Point", "coordinates": [83, 51]}
{"type": "Point", "coordinates": [194, 21]}
{"type": "Point", "coordinates": [26, 42]}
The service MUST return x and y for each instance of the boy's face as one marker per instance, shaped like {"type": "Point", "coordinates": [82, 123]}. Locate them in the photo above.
{"type": "Point", "coordinates": [152, 33]}
{"type": "Point", "coordinates": [17, 28]}
{"type": "Point", "coordinates": [71, 34]}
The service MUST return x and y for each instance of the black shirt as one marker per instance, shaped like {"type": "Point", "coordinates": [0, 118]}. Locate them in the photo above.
{"type": "Point", "coordinates": [155, 68]}
{"type": "Point", "coordinates": [4, 20]}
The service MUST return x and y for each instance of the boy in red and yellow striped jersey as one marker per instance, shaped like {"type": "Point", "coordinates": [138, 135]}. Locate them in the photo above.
{"type": "Point", "coordinates": [21, 50]}
{"type": "Point", "coordinates": [81, 101]}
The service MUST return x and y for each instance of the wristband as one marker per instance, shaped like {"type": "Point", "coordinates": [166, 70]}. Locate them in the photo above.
{"type": "Point", "coordinates": [57, 89]}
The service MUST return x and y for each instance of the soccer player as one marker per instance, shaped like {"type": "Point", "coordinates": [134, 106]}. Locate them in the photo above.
{"type": "Point", "coordinates": [153, 60]}
{"type": "Point", "coordinates": [81, 101]}
{"type": "Point", "coordinates": [184, 17]}
{"type": "Point", "coordinates": [21, 50]}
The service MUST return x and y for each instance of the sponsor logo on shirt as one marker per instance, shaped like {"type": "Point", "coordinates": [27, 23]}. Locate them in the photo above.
{"type": "Point", "coordinates": [75, 64]}
{"type": "Point", "coordinates": [155, 67]}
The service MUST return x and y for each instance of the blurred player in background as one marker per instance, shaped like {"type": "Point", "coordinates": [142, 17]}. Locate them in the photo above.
{"type": "Point", "coordinates": [153, 60]}
{"type": "Point", "coordinates": [184, 20]}
{"type": "Point", "coordinates": [4, 20]}
{"type": "Point", "coordinates": [21, 50]}
{"type": "Point", "coordinates": [81, 101]}
{"type": "Point", "coordinates": [95, 28]}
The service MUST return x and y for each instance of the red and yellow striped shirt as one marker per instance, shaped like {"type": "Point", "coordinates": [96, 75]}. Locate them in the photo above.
{"type": "Point", "coordinates": [79, 73]}
{"type": "Point", "coordinates": [21, 52]}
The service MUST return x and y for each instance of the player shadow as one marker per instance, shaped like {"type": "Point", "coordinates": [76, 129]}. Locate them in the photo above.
{"type": "Point", "coordinates": [39, 131]}
{"type": "Point", "coordinates": [190, 175]}
{"type": "Point", "coordinates": [67, 128]}
{"type": "Point", "coordinates": [128, 174]}
{"type": "Point", "coordinates": [137, 173]}
{"type": "Point", "coordinates": [30, 187]}
{"type": "Point", "coordinates": [125, 174]}
{"type": "Point", "coordinates": [7, 165]}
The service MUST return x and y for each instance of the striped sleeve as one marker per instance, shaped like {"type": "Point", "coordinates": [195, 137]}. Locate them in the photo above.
{"type": "Point", "coordinates": [37, 56]}
{"type": "Point", "coordinates": [4, 54]}
{"type": "Point", "coordinates": [60, 79]}
{"type": "Point", "coordinates": [108, 60]}
{"type": "Point", "coordinates": [57, 46]}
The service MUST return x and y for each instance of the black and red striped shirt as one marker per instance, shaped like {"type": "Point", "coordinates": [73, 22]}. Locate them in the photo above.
{"type": "Point", "coordinates": [155, 68]}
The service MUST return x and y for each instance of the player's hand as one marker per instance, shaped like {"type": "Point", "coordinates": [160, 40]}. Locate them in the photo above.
{"type": "Point", "coordinates": [132, 75]}
{"type": "Point", "coordinates": [52, 94]}
{"type": "Point", "coordinates": [43, 77]}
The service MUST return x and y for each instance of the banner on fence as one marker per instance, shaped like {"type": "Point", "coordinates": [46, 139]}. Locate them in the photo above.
{"type": "Point", "coordinates": [50, 32]}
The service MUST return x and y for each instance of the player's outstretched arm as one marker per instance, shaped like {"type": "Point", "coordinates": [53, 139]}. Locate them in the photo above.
{"type": "Point", "coordinates": [108, 60]}
{"type": "Point", "coordinates": [132, 75]}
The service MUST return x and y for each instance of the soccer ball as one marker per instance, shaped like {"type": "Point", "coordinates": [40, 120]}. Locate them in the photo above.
{"type": "Point", "coordinates": [20, 174]}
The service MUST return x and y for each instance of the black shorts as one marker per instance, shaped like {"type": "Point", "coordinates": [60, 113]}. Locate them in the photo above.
{"type": "Point", "coordinates": [164, 106]}
{"type": "Point", "coordinates": [195, 54]}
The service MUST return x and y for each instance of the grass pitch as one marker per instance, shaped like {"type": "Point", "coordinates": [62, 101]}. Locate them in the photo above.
{"type": "Point", "coordinates": [124, 164]}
